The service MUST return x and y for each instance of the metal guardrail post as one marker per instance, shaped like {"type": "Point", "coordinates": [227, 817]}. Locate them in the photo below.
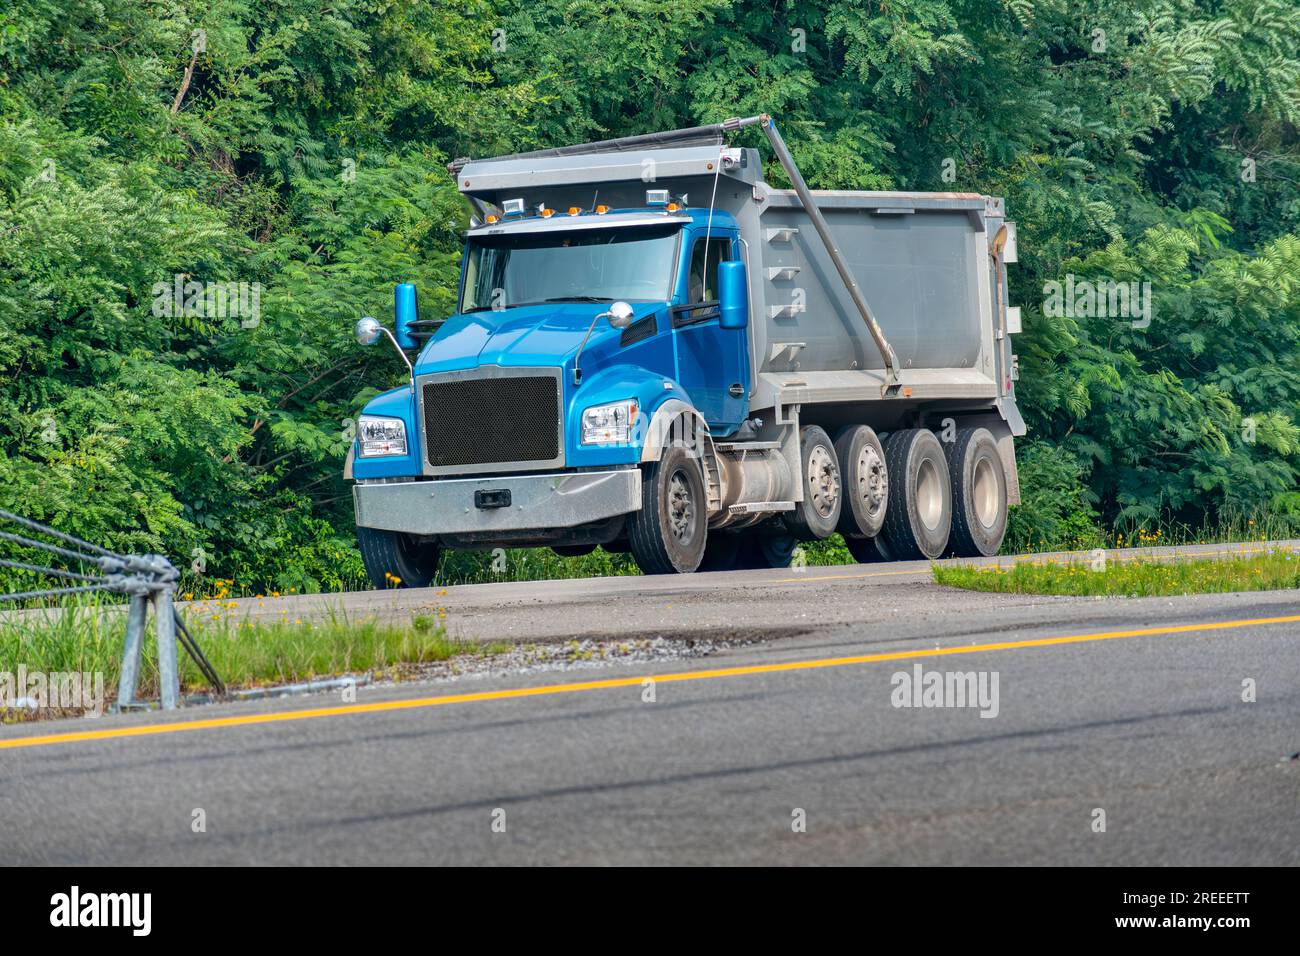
{"type": "Point", "coordinates": [169, 686]}
{"type": "Point", "coordinates": [145, 580]}
{"type": "Point", "coordinates": [131, 650]}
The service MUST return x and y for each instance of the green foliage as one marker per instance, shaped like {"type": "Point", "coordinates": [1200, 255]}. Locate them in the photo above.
{"type": "Point", "coordinates": [1054, 513]}
{"type": "Point", "coordinates": [303, 147]}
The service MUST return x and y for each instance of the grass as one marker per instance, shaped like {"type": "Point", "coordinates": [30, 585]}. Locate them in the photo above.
{"type": "Point", "coordinates": [87, 636]}
{"type": "Point", "coordinates": [1141, 577]}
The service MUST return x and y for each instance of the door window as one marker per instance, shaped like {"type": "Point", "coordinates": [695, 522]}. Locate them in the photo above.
{"type": "Point", "coordinates": [705, 256]}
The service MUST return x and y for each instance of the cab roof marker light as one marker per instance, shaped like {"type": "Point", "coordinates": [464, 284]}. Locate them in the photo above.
{"type": "Point", "coordinates": [574, 210]}
{"type": "Point", "coordinates": [601, 210]}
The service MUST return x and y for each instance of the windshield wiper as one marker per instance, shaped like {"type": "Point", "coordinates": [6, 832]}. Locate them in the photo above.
{"type": "Point", "coordinates": [577, 298]}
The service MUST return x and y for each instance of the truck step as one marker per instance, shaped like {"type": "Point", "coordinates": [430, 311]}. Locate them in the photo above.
{"type": "Point", "coordinates": [747, 445]}
{"type": "Point", "coordinates": [753, 507]}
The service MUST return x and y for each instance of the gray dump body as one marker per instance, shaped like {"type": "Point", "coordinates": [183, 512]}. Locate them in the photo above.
{"type": "Point", "coordinates": [921, 261]}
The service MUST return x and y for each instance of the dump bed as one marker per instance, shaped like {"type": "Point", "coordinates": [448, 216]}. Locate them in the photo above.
{"type": "Point", "coordinates": [921, 261]}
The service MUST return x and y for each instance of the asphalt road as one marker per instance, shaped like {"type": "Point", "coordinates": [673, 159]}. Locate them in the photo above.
{"type": "Point", "coordinates": [1132, 707]}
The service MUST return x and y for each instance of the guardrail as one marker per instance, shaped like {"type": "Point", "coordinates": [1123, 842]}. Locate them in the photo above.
{"type": "Point", "coordinates": [144, 579]}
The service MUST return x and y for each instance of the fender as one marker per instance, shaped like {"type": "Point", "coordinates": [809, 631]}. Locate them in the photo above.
{"type": "Point", "coordinates": [660, 431]}
{"type": "Point", "coordinates": [664, 429]}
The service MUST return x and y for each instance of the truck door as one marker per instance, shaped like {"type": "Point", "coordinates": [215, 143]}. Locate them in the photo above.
{"type": "Point", "coordinates": [712, 362]}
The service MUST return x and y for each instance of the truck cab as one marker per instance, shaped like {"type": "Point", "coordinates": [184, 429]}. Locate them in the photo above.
{"type": "Point", "coordinates": [607, 376]}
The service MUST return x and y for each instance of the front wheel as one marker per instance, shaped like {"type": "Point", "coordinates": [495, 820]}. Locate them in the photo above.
{"type": "Point", "coordinates": [397, 560]}
{"type": "Point", "coordinates": [668, 534]}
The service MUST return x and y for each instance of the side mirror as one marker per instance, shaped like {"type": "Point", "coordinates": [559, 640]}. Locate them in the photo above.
{"type": "Point", "coordinates": [619, 315]}
{"type": "Point", "coordinates": [733, 295]}
{"type": "Point", "coordinates": [405, 312]}
{"type": "Point", "coordinates": [367, 330]}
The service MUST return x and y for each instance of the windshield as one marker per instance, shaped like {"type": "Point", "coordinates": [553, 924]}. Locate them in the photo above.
{"type": "Point", "coordinates": [635, 265]}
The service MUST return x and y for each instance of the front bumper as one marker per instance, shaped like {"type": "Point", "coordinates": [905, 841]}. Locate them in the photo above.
{"type": "Point", "coordinates": [450, 506]}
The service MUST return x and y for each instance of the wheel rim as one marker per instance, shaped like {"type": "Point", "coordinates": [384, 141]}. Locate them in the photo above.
{"type": "Point", "coordinates": [823, 481]}
{"type": "Point", "coordinates": [984, 493]}
{"type": "Point", "coordinates": [929, 495]}
{"type": "Point", "coordinates": [681, 508]}
{"type": "Point", "coordinates": [873, 484]}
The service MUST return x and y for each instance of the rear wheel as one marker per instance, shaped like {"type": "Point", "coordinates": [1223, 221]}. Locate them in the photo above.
{"type": "Point", "coordinates": [919, 516]}
{"type": "Point", "coordinates": [668, 534]}
{"type": "Point", "coordinates": [397, 560]}
{"type": "Point", "coordinates": [721, 552]}
{"type": "Point", "coordinates": [866, 550]}
{"type": "Point", "coordinates": [818, 514]}
{"type": "Point", "coordinates": [865, 480]}
{"type": "Point", "coordinates": [765, 549]}
{"type": "Point", "coordinates": [979, 494]}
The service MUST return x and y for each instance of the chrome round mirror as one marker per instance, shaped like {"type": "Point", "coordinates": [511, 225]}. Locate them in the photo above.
{"type": "Point", "coordinates": [367, 330]}
{"type": "Point", "coordinates": [620, 315]}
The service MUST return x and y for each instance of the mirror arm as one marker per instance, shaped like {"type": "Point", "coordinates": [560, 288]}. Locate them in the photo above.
{"type": "Point", "coordinates": [410, 369]}
{"type": "Point", "coordinates": [577, 359]}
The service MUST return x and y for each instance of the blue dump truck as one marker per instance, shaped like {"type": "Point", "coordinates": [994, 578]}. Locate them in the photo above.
{"type": "Point", "coordinates": [655, 351]}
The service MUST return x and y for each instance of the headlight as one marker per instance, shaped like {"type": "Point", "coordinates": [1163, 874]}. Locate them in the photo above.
{"type": "Point", "coordinates": [609, 424]}
{"type": "Point", "coordinates": [380, 436]}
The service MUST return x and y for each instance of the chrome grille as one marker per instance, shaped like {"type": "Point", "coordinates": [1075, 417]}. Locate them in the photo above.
{"type": "Point", "coordinates": [491, 420]}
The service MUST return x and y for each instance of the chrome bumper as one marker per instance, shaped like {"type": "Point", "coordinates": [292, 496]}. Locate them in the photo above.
{"type": "Point", "coordinates": [450, 506]}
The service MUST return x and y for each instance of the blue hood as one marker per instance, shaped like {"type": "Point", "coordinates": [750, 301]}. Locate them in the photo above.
{"type": "Point", "coordinates": [547, 334]}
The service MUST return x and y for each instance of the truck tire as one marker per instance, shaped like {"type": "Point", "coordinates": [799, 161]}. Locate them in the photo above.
{"type": "Point", "coordinates": [670, 531]}
{"type": "Point", "coordinates": [765, 549]}
{"type": "Point", "coordinates": [818, 515]}
{"type": "Point", "coordinates": [979, 494]}
{"type": "Point", "coordinates": [919, 516]}
{"type": "Point", "coordinates": [397, 560]}
{"type": "Point", "coordinates": [721, 551]}
{"type": "Point", "coordinates": [866, 550]}
{"type": "Point", "coordinates": [865, 481]}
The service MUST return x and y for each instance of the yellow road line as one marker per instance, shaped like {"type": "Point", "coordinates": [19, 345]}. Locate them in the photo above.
{"type": "Point", "coordinates": [549, 689]}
